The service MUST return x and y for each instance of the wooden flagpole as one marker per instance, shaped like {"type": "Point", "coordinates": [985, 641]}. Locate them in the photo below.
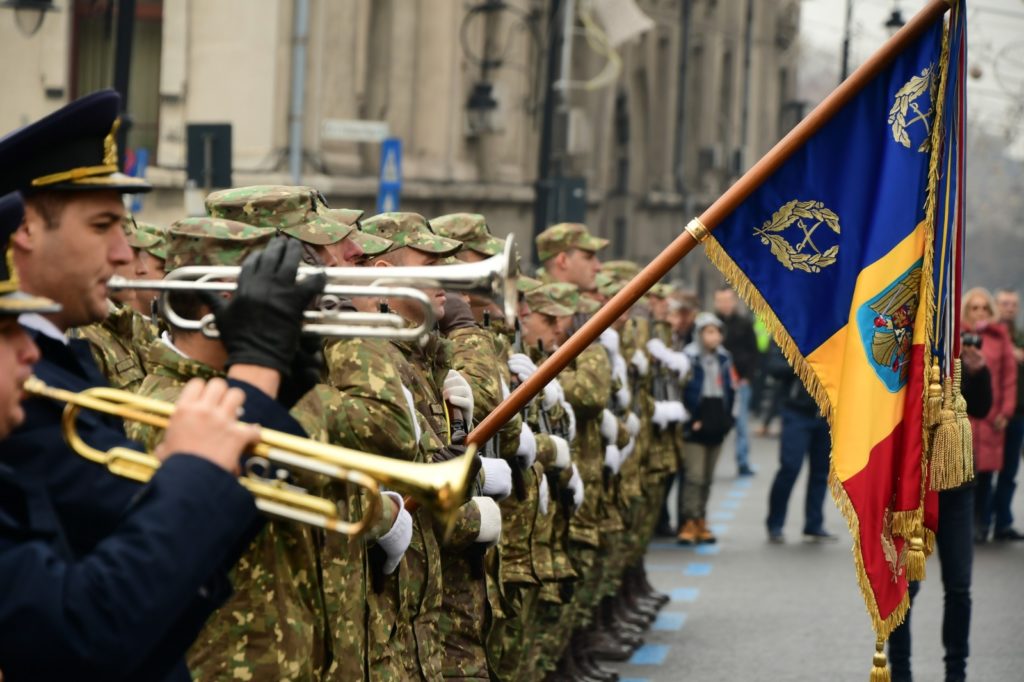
{"type": "Point", "coordinates": [698, 229]}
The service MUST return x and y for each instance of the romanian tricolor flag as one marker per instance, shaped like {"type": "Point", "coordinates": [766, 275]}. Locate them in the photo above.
{"type": "Point", "coordinates": [849, 252]}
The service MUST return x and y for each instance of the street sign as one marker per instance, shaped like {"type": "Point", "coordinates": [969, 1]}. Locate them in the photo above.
{"type": "Point", "coordinates": [390, 188]}
{"type": "Point", "coordinates": [350, 130]}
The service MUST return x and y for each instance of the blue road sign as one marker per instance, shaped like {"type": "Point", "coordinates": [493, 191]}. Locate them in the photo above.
{"type": "Point", "coordinates": [389, 191]}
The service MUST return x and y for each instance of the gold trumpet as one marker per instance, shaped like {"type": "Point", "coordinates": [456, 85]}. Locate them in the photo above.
{"type": "Point", "coordinates": [493, 278]}
{"type": "Point", "coordinates": [440, 487]}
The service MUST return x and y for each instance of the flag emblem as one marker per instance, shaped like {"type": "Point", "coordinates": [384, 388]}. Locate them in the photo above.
{"type": "Point", "coordinates": [908, 102]}
{"type": "Point", "coordinates": [806, 217]}
{"type": "Point", "coordinates": [886, 325]}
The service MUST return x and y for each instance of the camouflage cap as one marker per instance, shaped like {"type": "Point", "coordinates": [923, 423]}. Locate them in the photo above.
{"type": "Point", "coordinates": [213, 241]}
{"type": "Point", "coordinates": [412, 230]}
{"type": "Point", "coordinates": [661, 290]}
{"type": "Point", "coordinates": [297, 211]}
{"type": "Point", "coordinates": [558, 299]}
{"type": "Point", "coordinates": [565, 236]}
{"type": "Point", "coordinates": [525, 284]}
{"type": "Point", "coordinates": [470, 229]}
{"type": "Point", "coordinates": [157, 237]}
{"type": "Point", "coordinates": [137, 239]}
{"type": "Point", "coordinates": [370, 244]}
{"type": "Point", "coordinates": [588, 305]}
{"type": "Point", "coordinates": [607, 285]}
{"type": "Point", "coordinates": [623, 270]}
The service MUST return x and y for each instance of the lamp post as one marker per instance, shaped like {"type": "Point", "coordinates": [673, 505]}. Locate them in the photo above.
{"type": "Point", "coordinates": [895, 21]}
{"type": "Point", "coordinates": [29, 9]}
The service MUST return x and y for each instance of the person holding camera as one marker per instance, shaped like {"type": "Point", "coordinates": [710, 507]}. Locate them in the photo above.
{"type": "Point", "coordinates": [982, 332]}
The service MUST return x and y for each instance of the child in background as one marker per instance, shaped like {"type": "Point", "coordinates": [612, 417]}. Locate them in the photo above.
{"type": "Point", "coordinates": [708, 397]}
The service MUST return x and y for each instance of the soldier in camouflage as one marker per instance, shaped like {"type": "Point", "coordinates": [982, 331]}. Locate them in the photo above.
{"type": "Point", "coordinates": [272, 627]}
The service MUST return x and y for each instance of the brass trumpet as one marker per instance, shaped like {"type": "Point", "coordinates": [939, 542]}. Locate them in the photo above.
{"type": "Point", "coordinates": [493, 278]}
{"type": "Point", "coordinates": [440, 487]}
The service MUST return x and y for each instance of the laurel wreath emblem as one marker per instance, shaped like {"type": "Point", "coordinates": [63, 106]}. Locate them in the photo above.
{"type": "Point", "coordinates": [804, 256]}
{"type": "Point", "coordinates": [905, 103]}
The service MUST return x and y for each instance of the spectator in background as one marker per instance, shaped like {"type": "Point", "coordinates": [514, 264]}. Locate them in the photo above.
{"type": "Point", "coordinates": [804, 433]}
{"type": "Point", "coordinates": [683, 307]}
{"type": "Point", "coordinates": [708, 397]}
{"type": "Point", "coordinates": [1008, 305]}
{"type": "Point", "coordinates": [741, 342]}
{"type": "Point", "coordinates": [760, 383]}
{"type": "Point", "coordinates": [981, 326]}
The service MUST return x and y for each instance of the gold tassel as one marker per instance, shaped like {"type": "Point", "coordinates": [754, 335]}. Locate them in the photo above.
{"type": "Point", "coordinates": [933, 404]}
{"type": "Point", "coordinates": [929, 542]}
{"type": "Point", "coordinates": [880, 664]}
{"type": "Point", "coordinates": [966, 437]}
{"type": "Point", "coordinates": [916, 558]}
{"type": "Point", "coordinates": [946, 464]}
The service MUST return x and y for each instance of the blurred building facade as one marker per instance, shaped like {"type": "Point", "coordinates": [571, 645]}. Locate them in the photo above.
{"type": "Point", "coordinates": [696, 100]}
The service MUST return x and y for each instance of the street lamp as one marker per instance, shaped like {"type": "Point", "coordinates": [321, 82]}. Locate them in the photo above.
{"type": "Point", "coordinates": [895, 21]}
{"type": "Point", "coordinates": [29, 14]}
{"type": "Point", "coordinates": [480, 110]}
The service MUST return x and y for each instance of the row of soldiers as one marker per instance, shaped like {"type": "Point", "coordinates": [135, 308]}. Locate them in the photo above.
{"type": "Point", "coordinates": [541, 573]}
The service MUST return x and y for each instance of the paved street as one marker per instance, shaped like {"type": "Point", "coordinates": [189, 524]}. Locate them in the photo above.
{"type": "Point", "coordinates": [746, 610]}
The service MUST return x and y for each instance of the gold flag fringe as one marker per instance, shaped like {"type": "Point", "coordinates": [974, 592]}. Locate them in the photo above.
{"type": "Point", "coordinates": [966, 437]}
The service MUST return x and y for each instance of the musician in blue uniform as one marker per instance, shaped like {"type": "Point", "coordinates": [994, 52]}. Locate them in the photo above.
{"type": "Point", "coordinates": [128, 609]}
{"type": "Point", "coordinates": [66, 249]}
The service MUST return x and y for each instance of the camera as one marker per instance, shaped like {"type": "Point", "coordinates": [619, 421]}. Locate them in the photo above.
{"type": "Point", "coordinates": [969, 339]}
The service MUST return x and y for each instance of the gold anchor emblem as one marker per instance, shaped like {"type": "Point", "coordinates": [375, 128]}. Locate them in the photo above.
{"type": "Point", "coordinates": [807, 216]}
{"type": "Point", "coordinates": [906, 104]}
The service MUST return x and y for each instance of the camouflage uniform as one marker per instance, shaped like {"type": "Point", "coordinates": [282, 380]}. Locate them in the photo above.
{"type": "Point", "coordinates": [376, 419]}
{"type": "Point", "coordinates": [447, 636]}
{"type": "Point", "coordinates": [481, 355]}
{"type": "Point", "coordinates": [273, 626]}
{"type": "Point", "coordinates": [113, 347]}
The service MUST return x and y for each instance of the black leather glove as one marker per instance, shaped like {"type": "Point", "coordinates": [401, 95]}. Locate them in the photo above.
{"type": "Point", "coordinates": [457, 314]}
{"type": "Point", "coordinates": [261, 324]}
{"type": "Point", "coordinates": [306, 371]}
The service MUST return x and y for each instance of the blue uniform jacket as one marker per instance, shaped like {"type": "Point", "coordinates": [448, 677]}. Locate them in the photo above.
{"type": "Point", "coordinates": [90, 523]}
{"type": "Point", "coordinates": [129, 608]}
{"type": "Point", "coordinates": [89, 500]}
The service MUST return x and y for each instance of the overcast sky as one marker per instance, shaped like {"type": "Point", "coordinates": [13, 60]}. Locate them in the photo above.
{"type": "Point", "coordinates": [995, 31]}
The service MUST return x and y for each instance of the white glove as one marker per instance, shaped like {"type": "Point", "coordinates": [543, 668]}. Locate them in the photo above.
{"type": "Point", "coordinates": [576, 486]}
{"type": "Point", "coordinates": [544, 495]}
{"type": "Point", "coordinates": [632, 424]}
{"type": "Point", "coordinates": [623, 397]}
{"type": "Point", "coordinates": [662, 413]}
{"type": "Point", "coordinates": [679, 363]}
{"type": "Point", "coordinates": [521, 365]}
{"type": "Point", "coordinates": [527, 452]}
{"type": "Point", "coordinates": [562, 457]}
{"type": "Point", "coordinates": [571, 415]}
{"type": "Point", "coordinates": [619, 370]}
{"type": "Point", "coordinates": [612, 458]}
{"type": "Point", "coordinates": [412, 412]}
{"type": "Point", "coordinates": [628, 449]}
{"type": "Point", "coordinates": [640, 361]}
{"type": "Point", "coordinates": [609, 426]}
{"type": "Point", "coordinates": [497, 477]}
{"type": "Point", "coordinates": [490, 521]}
{"type": "Point", "coordinates": [657, 349]}
{"type": "Point", "coordinates": [553, 394]}
{"type": "Point", "coordinates": [610, 340]}
{"type": "Point", "coordinates": [459, 394]}
{"type": "Point", "coordinates": [677, 412]}
{"type": "Point", "coordinates": [397, 539]}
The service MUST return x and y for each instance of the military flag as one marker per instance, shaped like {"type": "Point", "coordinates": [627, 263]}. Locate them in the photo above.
{"type": "Point", "coordinates": [850, 253]}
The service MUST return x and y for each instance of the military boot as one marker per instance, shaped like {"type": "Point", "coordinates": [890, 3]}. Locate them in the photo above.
{"type": "Point", "coordinates": [689, 533]}
{"type": "Point", "coordinates": [704, 534]}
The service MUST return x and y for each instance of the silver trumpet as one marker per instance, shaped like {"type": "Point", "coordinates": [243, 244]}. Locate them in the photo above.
{"type": "Point", "coordinates": [492, 278]}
